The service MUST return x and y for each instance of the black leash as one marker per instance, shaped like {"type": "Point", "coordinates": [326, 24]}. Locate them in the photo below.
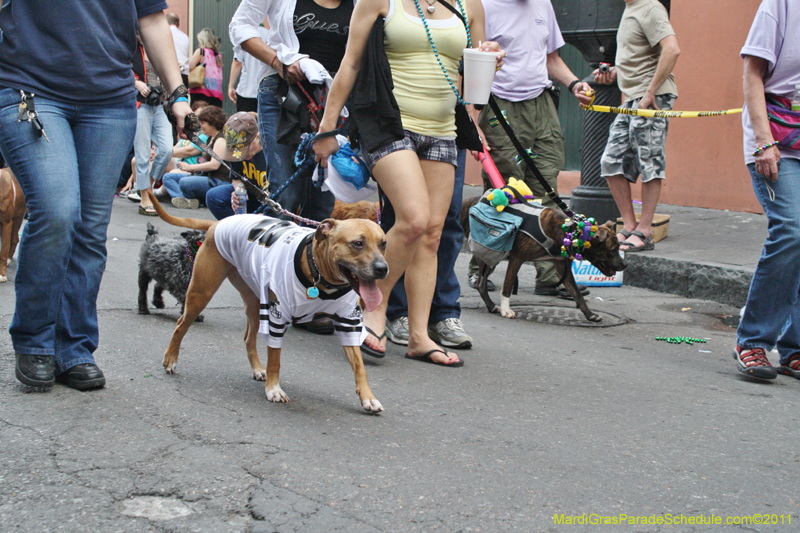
{"type": "Point", "coordinates": [527, 158]}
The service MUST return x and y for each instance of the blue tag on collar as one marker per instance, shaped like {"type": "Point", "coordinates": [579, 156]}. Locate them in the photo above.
{"type": "Point", "coordinates": [312, 293]}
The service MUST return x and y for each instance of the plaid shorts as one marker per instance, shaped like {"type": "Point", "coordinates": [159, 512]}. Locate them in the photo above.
{"type": "Point", "coordinates": [430, 148]}
{"type": "Point", "coordinates": [636, 145]}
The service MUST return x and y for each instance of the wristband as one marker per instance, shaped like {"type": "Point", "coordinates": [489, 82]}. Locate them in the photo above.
{"type": "Point", "coordinates": [180, 99]}
{"type": "Point", "coordinates": [765, 147]}
{"type": "Point", "coordinates": [180, 92]}
{"type": "Point", "coordinates": [272, 63]}
{"type": "Point", "coordinates": [572, 85]}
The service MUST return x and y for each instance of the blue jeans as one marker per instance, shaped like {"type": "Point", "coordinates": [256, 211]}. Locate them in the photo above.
{"type": "Point", "coordinates": [301, 195]}
{"type": "Point", "coordinates": [69, 188]}
{"type": "Point", "coordinates": [445, 298]}
{"type": "Point", "coordinates": [153, 125]}
{"type": "Point", "coordinates": [171, 183]}
{"type": "Point", "coordinates": [772, 314]}
{"type": "Point", "coordinates": [218, 201]}
{"type": "Point", "coordinates": [198, 186]}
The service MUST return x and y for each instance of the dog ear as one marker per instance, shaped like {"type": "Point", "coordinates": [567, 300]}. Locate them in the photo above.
{"type": "Point", "coordinates": [324, 228]}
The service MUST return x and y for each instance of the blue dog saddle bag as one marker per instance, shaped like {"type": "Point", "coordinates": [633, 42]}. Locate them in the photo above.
{"type": "Point", "coordinates": [492, 232]}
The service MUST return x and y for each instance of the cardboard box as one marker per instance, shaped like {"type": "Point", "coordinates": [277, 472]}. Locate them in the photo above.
{"type": "Point", "coordinates": [587, 274]}
{"type": "Point", "coordinates": [658, 230]}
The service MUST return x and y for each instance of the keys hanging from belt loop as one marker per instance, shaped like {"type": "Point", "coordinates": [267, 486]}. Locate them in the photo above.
{"type": "Point", "coordinates": [27, 112]}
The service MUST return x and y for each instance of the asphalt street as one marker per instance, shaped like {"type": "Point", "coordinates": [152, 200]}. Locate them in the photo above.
{"type": "Point", "coordinates": [550, 416]}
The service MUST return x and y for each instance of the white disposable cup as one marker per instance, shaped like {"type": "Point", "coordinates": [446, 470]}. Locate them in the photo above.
{"type": "Point", "coordinates": [479, 69]}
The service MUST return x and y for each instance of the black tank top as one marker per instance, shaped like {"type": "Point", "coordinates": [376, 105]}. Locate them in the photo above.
{"type": "Point", "coordinates": [323, 32]}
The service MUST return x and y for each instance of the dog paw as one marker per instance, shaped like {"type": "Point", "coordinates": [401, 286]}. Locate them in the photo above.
{"type": "Point", "coordinates": [260, 375]}
{"type": "Point", "coordinates": [169, 366]}
{"type": "Point", "coordinates": [144, 311]}
{"type": "Point", "coordinates": [276, 394]}
{"type": "Point", "coordinates": [372, 406]}
{"type": "Point", "coordinates": [3, 279]}
{"type": "Point", "coordinates": [594, 318]}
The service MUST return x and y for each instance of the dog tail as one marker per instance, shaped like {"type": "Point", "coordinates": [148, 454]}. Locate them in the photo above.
{"type": "Point", "coordinates": [464, 216]}
{"type": "Point", "coordinates": [193, 223]}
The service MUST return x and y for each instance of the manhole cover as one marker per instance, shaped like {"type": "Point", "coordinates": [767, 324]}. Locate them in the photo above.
{"type": "Point", "coordinates": [565, 316]}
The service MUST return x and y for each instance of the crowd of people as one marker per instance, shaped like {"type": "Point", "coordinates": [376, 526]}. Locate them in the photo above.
{"type": "Point", "coordinates": [388, 73]}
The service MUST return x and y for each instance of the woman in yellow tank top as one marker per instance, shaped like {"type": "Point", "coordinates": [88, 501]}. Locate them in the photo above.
{"type": "Point", "coordinates": [416, 173]}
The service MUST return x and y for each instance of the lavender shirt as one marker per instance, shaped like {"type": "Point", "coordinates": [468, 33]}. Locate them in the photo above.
{"type": "Point", "coordinates": [774, 37]}
{"type": "Point", "coordinates": [527, 30]}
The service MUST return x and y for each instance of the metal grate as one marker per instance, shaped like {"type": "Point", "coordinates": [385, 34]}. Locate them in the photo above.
{"type": "Point", "coordinates": [566, 316]}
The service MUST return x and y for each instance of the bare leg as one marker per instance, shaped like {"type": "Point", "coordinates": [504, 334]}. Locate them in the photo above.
{"type": "Point", "coordinates": [400, 176]}
{"type": "Point", "coordinates": [621, 191]}
{"type": "Point", "coordinates": [421, 273]}
{"type": "Point", "coordinates": [651, 190]}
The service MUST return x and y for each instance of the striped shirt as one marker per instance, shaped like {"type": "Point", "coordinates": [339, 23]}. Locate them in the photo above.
{"type": "Point", "coordinates": [268, 253]}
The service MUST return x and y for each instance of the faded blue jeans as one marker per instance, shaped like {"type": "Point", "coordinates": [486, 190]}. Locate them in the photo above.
{"type": "Point", "coordinates": [301, 193]}
{"type": "Point", "coordinates": [69, 187]}
{"type": "Point", "coordinates": [152, 125]}
{"type": "Point", "coordinates": [772, 314]}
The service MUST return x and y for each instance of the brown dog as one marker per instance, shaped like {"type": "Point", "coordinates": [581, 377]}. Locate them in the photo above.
{"type": "Point", "coordinates": [603, 253]}
{"type": "Point", "coordinates": [343, 211]}
{"type": "Point", "coordinates": [345, 255]}
{"type": "Point", "coordinates": [12, 211]}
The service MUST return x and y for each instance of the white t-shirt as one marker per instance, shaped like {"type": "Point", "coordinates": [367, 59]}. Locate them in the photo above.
{"type": "Point", "coordinates": [267, 252]}
{"type": "Point", "coordinates": [181, 41]}
{"type": "Point", "coordinates": [528, 32]}
{"type": "Point", "coordinates": [774, 36]}
{"type": "Point", "coordinates": [252, 69]}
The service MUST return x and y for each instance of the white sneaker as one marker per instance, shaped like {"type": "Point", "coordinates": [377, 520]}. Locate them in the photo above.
{"type": "Point", "coordinates": [133, 196]}
{"type": "Point", "coordinates": [186, 203]}
{"type": "Point", "coordinates": [397, 330]}
{"type": "Point", "coordinates": [450, 334]}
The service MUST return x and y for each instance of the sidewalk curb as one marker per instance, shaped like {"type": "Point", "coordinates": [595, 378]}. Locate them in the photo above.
{"type": "Point", "coordinates": [693, 280]}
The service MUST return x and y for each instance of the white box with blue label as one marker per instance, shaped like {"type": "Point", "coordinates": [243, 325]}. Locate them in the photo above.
{"type": "Point", "coordinates": [587, 274]}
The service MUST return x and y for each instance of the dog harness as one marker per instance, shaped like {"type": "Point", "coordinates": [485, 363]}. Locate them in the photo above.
{"type": "Point", "coordinates": [268, 253]}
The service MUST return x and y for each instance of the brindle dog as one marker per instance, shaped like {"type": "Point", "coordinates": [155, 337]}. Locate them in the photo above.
{"type": "Point", "coordinates": [603, 253]}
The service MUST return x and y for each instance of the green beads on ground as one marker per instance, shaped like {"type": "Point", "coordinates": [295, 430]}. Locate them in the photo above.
{"type": "Point", "coordinates": [678, 340]}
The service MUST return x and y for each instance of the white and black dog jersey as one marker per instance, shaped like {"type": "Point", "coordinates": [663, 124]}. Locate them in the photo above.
{"type": "Point", "coordinates": [267, 252]}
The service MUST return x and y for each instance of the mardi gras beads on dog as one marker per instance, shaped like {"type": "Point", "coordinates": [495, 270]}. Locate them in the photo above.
{"type": "Point", "coordinates": [578, 236]}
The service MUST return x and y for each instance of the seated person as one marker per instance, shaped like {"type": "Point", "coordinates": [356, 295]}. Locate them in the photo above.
{"type": "Point", "coordinates": [243, 150]}
{"type": "Point", "coordinates": [187, 190]}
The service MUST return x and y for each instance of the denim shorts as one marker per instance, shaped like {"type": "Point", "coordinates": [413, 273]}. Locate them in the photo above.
{"type": "Point", "coordinates": [430, 148]}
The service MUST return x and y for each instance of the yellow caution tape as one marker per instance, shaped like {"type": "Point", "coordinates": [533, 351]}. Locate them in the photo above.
{"type": "Point", "coordinates": [659, 113]}
{"type": "Point", "coordinates": [654, 112]}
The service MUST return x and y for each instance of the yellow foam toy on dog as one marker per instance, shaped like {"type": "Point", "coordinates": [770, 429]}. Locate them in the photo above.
{"type": "Point", "coordinates": [500, 197]}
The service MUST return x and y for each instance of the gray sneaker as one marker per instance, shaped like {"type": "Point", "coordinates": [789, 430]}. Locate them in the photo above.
{"type": "Point", "coordinates": [185, 203]}
{"type": "Point", "coordinates": [397, 330]}
{"type": "Point", "coordinates": [450, 334]}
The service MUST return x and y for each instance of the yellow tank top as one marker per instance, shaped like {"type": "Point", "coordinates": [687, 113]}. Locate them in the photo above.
{"type": "Point", "coordinates": [426, 100]}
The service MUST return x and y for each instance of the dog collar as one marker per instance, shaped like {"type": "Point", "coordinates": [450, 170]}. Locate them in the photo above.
{"type": "Point", "coordinates": [316, 278]}
{"type": "Point", "coordinates": [579, 232]}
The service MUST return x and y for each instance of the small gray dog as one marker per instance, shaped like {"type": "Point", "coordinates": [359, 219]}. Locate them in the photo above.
{"type": "Point", "coordinates": [168, 261]}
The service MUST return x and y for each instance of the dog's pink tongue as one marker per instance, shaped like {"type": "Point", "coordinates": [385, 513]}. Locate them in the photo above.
{"type": "Point", "coordinates": [370, 294]}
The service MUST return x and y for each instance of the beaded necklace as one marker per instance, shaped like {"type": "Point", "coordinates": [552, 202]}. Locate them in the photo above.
{"type": "Point", "coordinates": [433, 45]}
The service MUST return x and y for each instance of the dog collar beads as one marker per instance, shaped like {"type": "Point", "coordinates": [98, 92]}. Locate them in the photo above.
{"type": "Point", "coordinates": [579, 232]}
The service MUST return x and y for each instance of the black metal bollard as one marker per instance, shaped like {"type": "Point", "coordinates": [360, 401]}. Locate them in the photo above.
{"type": "Point", "coordinates": [592, 197]}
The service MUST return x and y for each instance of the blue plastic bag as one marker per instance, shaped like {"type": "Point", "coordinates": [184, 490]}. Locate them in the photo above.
{"type": "Point", "coordinates": [350, 167]}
